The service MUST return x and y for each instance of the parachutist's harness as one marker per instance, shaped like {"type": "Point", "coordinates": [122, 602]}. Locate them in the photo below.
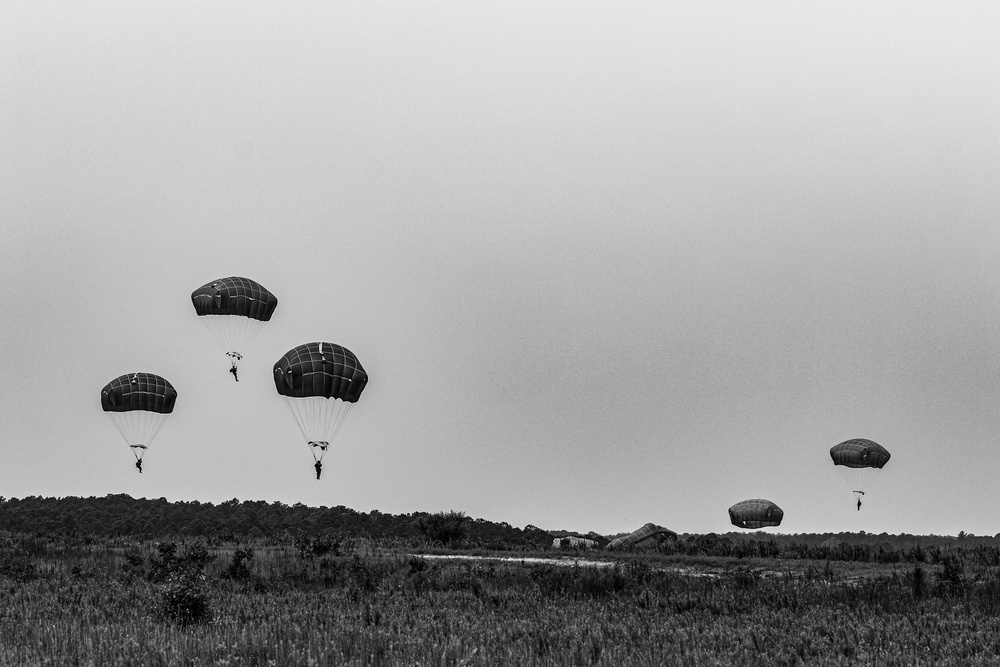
{"type": "Point", "coordinates": [138, 456]}
{"type": "Point", "coordinates": [235, 357]}
{"type": "Point", "coordinates": [322, 445]}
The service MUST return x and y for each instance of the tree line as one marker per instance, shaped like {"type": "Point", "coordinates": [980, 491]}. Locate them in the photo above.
{"type": "Point", "coordinates": [233, 519]}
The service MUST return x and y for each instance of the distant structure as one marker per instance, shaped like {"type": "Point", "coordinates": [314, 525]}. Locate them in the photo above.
{"type": "Point", "coordinates": [649, 535]}
{"type": "Point", "coordinates": [573, 542]}
{"type": "Point", "coordinates": [755, 513]}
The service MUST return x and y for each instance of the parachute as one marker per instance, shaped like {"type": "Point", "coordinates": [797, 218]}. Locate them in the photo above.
{"type": "Point", "coordinates": [234, 309]}
{"type": "Point", "coordinates": [859, 461]}
{"type": "Point", "coordinates": [649, 535]}
{"type": "Point", "coordinates": [755, 513]}
{"type": "Point", "coordinates": [138, 404]}
{"type": "Point", "coordinates": [320, 383]}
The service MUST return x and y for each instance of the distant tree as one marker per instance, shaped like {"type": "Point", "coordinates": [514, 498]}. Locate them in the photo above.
{"type": "Point", "coordinates": [444, 527]}
{"type": "Point", "coordinates": [540, 538]}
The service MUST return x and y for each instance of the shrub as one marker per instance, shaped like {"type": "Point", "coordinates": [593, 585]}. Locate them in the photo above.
{"type": "Point", "coordinates": [951, 578]}
{"type": "Point", "coordinates": [367, 574]}
{"type": "Point", "coordinates": [197, 554]}
{"type": "Point", "coordinates": [238, 570]}
{"type": "Point", "coordinates": [17, 568]}
{"type": "Point", "coordinates": [184, 597]}
{"type": "Point", "coordinates": [309, 547]}
{"type": "Point", "coordinates": [159, 569]}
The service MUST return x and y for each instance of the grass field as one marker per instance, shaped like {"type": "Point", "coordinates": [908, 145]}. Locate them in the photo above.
{"type": "Point", "coordinates": [76, 601]}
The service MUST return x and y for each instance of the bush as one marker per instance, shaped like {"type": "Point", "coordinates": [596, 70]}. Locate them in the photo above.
{"type": "Point", "coordinates": [309, 547]}
{"type": "Point", "coordinates": [197, 554]}
{"type": "Point", "coordinates": [238, 570]}
{"type": "Point", "coordinates": [184, 597]}
{"type": "Point", "coordinates": [951, 578]}
{"type": "Point", "coordinates": [160, 569]}
{"type": "Point", "coordinates": [18, 568]}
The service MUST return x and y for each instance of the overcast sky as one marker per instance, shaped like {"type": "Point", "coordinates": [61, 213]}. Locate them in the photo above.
{"type": "Point", "coordinates": [605, 263]}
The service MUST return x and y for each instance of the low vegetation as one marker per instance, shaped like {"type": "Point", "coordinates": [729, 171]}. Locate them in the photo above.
{"type": "Point", "coordinates": [299, 599]}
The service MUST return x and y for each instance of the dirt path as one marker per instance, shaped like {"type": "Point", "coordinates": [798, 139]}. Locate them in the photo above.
{"type": "Point", "coordinates": [562, 562]}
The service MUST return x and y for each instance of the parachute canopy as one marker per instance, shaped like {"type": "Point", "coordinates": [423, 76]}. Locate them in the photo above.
{"type": "Point", "coordinates": [138, 404]}
{"type": "Point", "coordinates": [323, 370]}
{"type": "Point", "coordinates": [234, 309]}
{"type": "Point", "coordinates": [649, 535]}
{"type": "Point", "coordinates": [755, 513]}
{"type": "Point", "coordinates": [234, 296]}
{"type": "Point", "coordinates": [859, 453]}
{"type": "Point", "coordinates": [320, 382]}
{"type": "Point", "coordinates": [138, 391]}
{"type": "Point", "coordinates": [859, 461]}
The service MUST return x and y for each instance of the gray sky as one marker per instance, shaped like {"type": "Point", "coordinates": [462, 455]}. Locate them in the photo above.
{"type": "Point", "coordinates": [605, 263]}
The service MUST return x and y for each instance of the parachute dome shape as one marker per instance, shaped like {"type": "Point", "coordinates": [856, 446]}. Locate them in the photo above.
{"type": "Point", "coordinates": [859, 461]}
{"type": "Point", "coordinates": [755, 513]}
{"type": "Point", "coordinates": [320, 383]}
{"type": "Point", "coordinates": [234, 309]}
{"type": "Point", "coordinates": [649, 535]}
{"type": "Point", "coordinates": [860, 453]}
{"type": "Point", "coordinates": [138, 404]}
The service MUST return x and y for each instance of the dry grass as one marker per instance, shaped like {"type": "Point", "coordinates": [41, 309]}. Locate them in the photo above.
{"type": "Point", "coordinates": [102, 603]}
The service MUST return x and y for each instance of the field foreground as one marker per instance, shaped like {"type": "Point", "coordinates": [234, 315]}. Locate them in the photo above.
{"type": "Point", "coordinates": [113, 601]}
